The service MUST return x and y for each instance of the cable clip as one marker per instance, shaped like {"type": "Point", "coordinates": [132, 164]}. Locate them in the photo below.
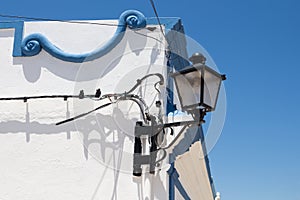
{"type": "Point", "coordinates": [81, 94]}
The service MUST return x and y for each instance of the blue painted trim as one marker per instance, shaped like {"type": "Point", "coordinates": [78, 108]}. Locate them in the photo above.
{"type": "Point", "coordinates": [18, 26]}
{"type": "Point", "coordinates": [177, 55]}
{"type": "Point", "coordinates": [177, 61]}
{"type": "Point", "coordinates": [174, 182]}
{"type": "Point", "coordinates": [169, 23]}
{"type": "Point", "coordinates": [171, 183]}
{"type": "Point", "coordinates": [173, 26]}
{"type": "Point", "coordinates": [34, 43]}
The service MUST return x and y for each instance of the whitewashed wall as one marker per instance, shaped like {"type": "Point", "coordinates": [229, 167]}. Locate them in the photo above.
{"type": "Point", "coordinates": [92, 157]}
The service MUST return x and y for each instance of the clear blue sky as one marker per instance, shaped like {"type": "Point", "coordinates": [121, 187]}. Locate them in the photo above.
{"type": "Point", "coordinates": [257, 44]}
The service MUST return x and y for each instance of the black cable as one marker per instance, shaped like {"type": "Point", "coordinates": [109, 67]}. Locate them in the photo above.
{"type": "Point", "coordinates": [155, 87]}
{"type": "Point", "coordinates": [163, 157]}
{"type": "Point", "coordinates": [122, 96]}
{"type": "Point", "coordinates": [83, 114]}
{"type": "Point", "coordinates": [176, 138]}
{"type": "Point", "coordinates": [100, 107]}
{"type": "Point", "coordinates": [171, 144]}
{"type": "Point", "coordinates": [139, 81]}
{"type": "Point", "coordinates": [160, 41]}
{"type": "Point", "coordinates": [57, 20]}
{"type": "Point", "coordinates": [146, 107]}
{"type": "Point", "coordinates": [168, 47]}
{"type": "Point", "coordinates": [71, 22]}
{"type": "Point", "coordinates": [158, 20]}
{"type": "Point", "coordinates": [65, 97]}
{"type": "Point", "coordinates": [141, 108]}
{"type": "Point", "coordinates": [89, 23]}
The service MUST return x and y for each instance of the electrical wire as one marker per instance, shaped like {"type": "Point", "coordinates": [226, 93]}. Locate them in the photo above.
{"type": "Point", "coordinates": [83, 114]}
{"type": "Point", "coordinates": [75, 22]}
{"type": "Point", "coordinates": [158, 20]}
{"type": "Point", "coordinates": [158, 40]}
{"type": "Point", "coordinates": [143, 102]}
{"type": "Point", "coordinates": [164, 138]}
{"type": "Point", "coordinates": [92, 23]}
{"type": "Point", "coordinates": [57, 20]}
{"type": "Point", "coordinates": [155, 87]}
{"type": "Point", "coordinates": [65, 97]}
{"type": "Point", "coordinates": [141, 109]}
{"type": "Point", "coordinates": [163, 157]}
{"type": "Point", "coordinates": [122, 97]}
{"type": "Point", "coordinates": [103, 106]}
{"type": "Point", "coordinates": [171, 144]}
{"type": "Point", "coordinates": [139, 81]}
{"type": "Point", "coordinates": [168, 46]}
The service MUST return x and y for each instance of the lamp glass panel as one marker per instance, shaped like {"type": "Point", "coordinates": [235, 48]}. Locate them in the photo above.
{"type": "Point", "coordinates": [212, 84]}
{"type": "Point", "coordinates": [189, 86]}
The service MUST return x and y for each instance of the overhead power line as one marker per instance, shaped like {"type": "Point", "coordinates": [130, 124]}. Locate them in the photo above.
{"type": "Point", "coordinates": [68, 21]}
{"type": "Point", "coordinates": [86, 22]}
{"type": "Point", "coordinates": [56, 20]}
{"type": "Point", "coordinates": [158, 20]}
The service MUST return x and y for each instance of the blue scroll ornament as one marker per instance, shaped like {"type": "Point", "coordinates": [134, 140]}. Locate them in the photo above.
{"type": "Point", "coordinates": [34, 43]}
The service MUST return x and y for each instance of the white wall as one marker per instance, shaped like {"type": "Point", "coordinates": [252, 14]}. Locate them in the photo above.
{"type": "Point", "coordinates": [92, 157]}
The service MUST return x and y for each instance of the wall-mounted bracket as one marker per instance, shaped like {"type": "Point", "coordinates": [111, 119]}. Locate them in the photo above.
{"type": "Point", "coordinates": [140, 159]}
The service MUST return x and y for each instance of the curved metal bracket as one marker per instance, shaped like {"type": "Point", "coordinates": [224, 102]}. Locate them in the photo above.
{"type": "Point", "coordinates": [34, 43]}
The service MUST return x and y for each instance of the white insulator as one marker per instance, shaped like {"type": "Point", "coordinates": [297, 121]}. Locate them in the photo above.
{"type": "Point", "coordinates": [218, 196]}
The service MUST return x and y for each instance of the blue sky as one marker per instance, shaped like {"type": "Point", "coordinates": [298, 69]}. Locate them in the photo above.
{"type": "Point", "coordinates": [256, 43]}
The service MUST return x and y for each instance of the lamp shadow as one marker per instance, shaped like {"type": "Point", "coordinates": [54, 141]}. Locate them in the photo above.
{"type": "Point", "coordinates": [157, 188]}
{"type": "Point", "coordinates": [101, 136]}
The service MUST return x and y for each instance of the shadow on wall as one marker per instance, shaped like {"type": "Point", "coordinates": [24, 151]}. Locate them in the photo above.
{"type": "Point", "coordinates": [92, 70]}
{"type": "Point", "coordinates": [6, 33]}
{"type": "Point", "coordinates": [102, 137]}
{"type": "Point", "coordinates": [155, 181]}
{"type": "Point", "coordinates": [101, 133]}
{"type": "Point", "coordinates": [94, 129]}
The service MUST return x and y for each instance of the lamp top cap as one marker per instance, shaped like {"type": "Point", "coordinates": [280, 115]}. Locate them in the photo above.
{"type": "Point", "coordinates": [197, 58]}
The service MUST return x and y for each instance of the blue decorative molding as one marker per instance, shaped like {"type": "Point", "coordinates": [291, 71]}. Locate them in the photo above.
{"type": "Point", "coordinates": [34, 43]}
{"type": "Point", "coordinates": [18, 26]}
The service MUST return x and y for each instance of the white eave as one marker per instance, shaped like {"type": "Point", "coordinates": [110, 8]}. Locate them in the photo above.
{"type": "Point", "coordinates": [193, 174]}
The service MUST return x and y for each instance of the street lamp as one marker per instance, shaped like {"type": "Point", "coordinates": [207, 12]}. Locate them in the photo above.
{"type": "Point", "coordinates": [198, 88]}
{"type": "Point", "coordinates": [198, 85]}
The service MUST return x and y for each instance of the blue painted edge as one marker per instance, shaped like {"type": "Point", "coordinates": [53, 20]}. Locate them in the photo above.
{"type": "Point", "coordinates": [34, 43]}
{"type": "Point", "coordinates": [18, 36]}
{"type": "Point", "coordinates": [174, 181]}
{"type": "Point", "coordinates": [172, 26]}
{"type": "Point", "coordinates": [177, 60]}
{"type": "Point", "coordinates": [171, 182]}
